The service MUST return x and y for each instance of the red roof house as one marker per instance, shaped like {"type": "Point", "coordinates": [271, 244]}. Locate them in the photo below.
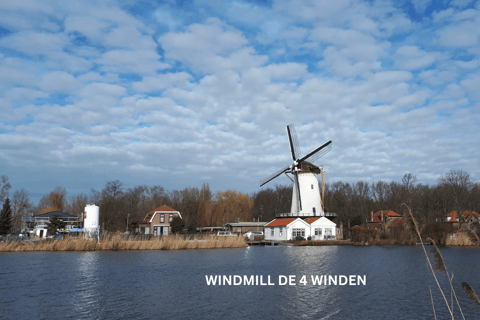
{"type": "Point", "coordinates": [157, 221]}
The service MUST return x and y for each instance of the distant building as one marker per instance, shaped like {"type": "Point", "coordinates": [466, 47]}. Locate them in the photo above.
{"type": "Point", "coordinates": [454, 219]}
{"type": "Point", "coordinates": [37, 224]}
{"type": "Point", "coordinates": [157, 222]}
{"type": "Point", "coordinates": [243, 227]}
{"type": "Point", "coordinates": [384, 219]}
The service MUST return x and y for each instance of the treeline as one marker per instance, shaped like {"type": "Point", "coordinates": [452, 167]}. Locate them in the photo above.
{"type": "Point", "coordinates": [121, 208]}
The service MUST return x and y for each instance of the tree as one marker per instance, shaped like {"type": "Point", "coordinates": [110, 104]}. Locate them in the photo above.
{"type": "Point", "coordinates": [4, 187]}
{"type": "Point", "coordinates": [6, 218]}
{"type": "Point", "coordinates": [55, 201]}
{"type": "Point", "coordinates": [54, 225]}
{"type": "Point", "coordinates": [177, 224]}
{"type": "Point", "coordinates": [20, 204]}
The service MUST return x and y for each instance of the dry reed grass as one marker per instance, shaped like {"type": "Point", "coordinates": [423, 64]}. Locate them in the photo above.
{"type": "Point", "coordinates": [461, 239]}
{"type": "Point", "coordinates": [116, 242]}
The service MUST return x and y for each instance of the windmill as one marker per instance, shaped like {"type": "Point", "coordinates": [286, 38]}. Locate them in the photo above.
{"type": "Point", "coordinates": [306, 196]}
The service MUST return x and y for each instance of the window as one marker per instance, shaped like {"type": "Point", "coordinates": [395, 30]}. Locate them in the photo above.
{"type": "Point", "coordinates": [272, 232]}
{"type": "Point", "coordinates": [314, 211]}
{"type": "Point", "coordinates": [170, 218]}
{"type": "Point", "coordinates": [318, 231]}
{"type": "Point", "coordinates": [239, 229]}
{"type": "Point", "coordinates": [298, 233]}
{"type": "Point", "coordinates": [339, 231]}
{"type": "Point", "coordinates": [281, 231]}
{"type": "Point", "coordinates": [162, 218]}
{"type": "Point", "coordinates": [312, 186]}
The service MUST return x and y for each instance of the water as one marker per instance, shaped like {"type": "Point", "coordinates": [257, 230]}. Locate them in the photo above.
{"type": "Point", "coordinates": [172, 284]}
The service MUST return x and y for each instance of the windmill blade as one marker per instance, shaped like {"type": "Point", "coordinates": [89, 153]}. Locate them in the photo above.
{"type": "Point", "coordinates": [273, 176]}
{"type": "Point", "coordinates": [317, 153]}
{"type": "Point", "coordinates": [299, 199]}
{"type": "Point", "coordinates": [293, 141]}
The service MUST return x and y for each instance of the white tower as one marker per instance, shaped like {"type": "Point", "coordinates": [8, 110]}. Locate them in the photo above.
{"type": "Point", "coordinates": [310, 195]}
{"type": "Point", "coordinates": [306, 201]}
{"type": "Point", "coordinates": [91, 220]}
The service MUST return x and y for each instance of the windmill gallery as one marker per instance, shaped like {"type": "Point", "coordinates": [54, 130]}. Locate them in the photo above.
{"type": "Point", "coordinates": [306, 218]}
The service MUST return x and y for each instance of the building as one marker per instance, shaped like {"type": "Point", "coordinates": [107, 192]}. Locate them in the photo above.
{"type": "Point", "coordinates": [243, 227]}
{"type": "Point", "coordinates": [455, 219]}
{"type": "Point", "coordinates": [157, 222]}
{"type": "Point", "coordinates": [321, 228]}
{"type": "Point", "coordinates": [284, 229]}
{"type": "Point", "coordinates": [462, 216]}
{"type": "Point", "coordinates": [315, 228]}
{"type": "Point", "coordinates": [37, 224]}
{"type": "Point", "coordinates": [384, 219]}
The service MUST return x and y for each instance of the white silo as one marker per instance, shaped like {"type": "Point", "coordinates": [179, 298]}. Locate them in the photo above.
{"type": "Point", "coordinates": [91, 219]}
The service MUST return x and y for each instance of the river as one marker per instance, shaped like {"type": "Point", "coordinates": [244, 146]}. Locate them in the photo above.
{"type": "Point", "coordinates": [173, 285]}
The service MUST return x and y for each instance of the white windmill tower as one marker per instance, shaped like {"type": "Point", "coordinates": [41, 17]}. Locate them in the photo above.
{"type": "Point", "coordinates": [306, 200]}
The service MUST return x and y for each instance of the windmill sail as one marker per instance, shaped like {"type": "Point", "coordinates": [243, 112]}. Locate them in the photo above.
{"type": "Point", "coordinates": [293, 140]}
{"type": "Point", "coordinates": [273, 176]}
{"type": "Point", "coordinates": [317, 153]}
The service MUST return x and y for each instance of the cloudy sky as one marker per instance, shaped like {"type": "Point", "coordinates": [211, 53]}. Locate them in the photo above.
{"type": "Point", "coordinates": [177, 93]}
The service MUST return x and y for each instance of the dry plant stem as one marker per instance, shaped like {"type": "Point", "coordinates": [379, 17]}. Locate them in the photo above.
{"type": "Point", "coordinates": [428, 260]}
{"type": "Point", "coordinates": [449, 279]}
{"type": "Point", "coordinates": [433, 305]}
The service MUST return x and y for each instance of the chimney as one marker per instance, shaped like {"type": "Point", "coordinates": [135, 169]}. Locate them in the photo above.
{"type": "Point", "coordinates": [371, 216]}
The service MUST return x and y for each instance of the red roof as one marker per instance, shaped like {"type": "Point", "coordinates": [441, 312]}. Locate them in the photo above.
{"type": "Point", "coordinates": [377, 216]}
{"type": "Point", "coordinates": [311, 220]}
{"type": "Point", "coordinates": [281, 222]}
{"type": "Point", "coordinates": [161, 208]}
{"type": "Point", "coordinates": [467, 215]}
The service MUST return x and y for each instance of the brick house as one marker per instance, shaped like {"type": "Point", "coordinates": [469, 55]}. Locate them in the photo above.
{"type": "Point", "coordinates": [157, 222]}
{"type": "Point", "coordinates": [384, 220]}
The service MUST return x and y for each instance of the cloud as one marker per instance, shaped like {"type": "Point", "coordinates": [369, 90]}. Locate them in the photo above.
{"type": "Point", "coordinates": [210, 47]}
{"type": "Point", "coordinates": [411, 58]}
{"type": "Point", "coordinates": [58, 81]}
{"type": "Point", "coordinates": [96, 91]}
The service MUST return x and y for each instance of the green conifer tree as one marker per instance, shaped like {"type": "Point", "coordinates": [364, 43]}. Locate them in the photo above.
{"type": "Point", "coordinates": [6, 218]}
{"type": "Point", "coordinates": [54, 225]}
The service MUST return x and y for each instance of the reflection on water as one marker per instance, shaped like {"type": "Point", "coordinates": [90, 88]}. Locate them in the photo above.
{"type": "Point", "coordinates": [86, 295]}
{"type": "Point", "coordinates": [171, 284]}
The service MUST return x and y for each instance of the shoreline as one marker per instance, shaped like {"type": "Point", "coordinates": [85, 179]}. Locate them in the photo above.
{"type": "Point", "coordinates": [116, 243]}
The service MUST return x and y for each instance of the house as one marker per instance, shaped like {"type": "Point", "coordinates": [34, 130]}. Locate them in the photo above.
{"type": "Point", "coordinates": [454, 219]}
{"type": "Point", "coordinates": [384, 219]}
{"type": "Point", "coordinates": [243, 227]}
{"type": "Point", "coordinates": [462, 216]}
{"type": "Point", "coordinates": [37, 224]}
{"type": "Point", "coordinates": [284, 229]}
{"type": "Point", "coordinates": [157, 222]}
{"type": "Point", "coordinates": [321, 228]}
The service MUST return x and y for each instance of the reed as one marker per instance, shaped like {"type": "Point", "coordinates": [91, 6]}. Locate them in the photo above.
{"type": "Point", "coordinates": [413, 224]}
{"type": "Point", "coordinates": [119, 243]}
{"type": "Point", "coordinates": [461, 239]}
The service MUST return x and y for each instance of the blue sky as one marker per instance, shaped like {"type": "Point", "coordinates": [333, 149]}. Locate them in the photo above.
{"type": "Point", "coordinates": [177, 93]}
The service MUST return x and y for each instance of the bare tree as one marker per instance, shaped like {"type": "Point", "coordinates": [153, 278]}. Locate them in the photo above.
{"type": "Point", "coordinates": [20, 204]}
{"type": "Point", "coordinates": [4, 188]}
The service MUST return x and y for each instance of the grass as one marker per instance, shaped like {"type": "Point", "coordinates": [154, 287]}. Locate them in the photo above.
{"type": "Point", "coordinates": [461, 239]}
{"type": "Point", "coordinates": [120, 243]}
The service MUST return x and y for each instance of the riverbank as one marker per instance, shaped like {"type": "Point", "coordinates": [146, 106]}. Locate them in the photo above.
{"type": "Point", "coordinates": [118, 243]}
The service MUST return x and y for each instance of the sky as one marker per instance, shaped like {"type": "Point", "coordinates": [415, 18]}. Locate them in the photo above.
{"type": "Point", "coordinates": [181, 93]}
